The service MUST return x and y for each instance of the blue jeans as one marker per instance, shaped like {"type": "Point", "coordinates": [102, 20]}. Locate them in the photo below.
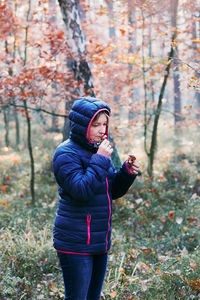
{"type": "Point", "coordinates": [83, 275]}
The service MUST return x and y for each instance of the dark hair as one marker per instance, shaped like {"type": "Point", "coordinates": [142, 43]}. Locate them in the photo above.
{"type": "Point", "coordinates": [103, 112]}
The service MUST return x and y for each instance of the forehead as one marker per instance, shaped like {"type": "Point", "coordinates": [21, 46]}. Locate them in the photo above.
{"type": "Point", "coordinates": [101, 118]}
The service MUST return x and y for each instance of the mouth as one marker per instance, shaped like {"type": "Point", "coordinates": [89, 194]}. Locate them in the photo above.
{"type": "Point", "coordinates": [97, 139]}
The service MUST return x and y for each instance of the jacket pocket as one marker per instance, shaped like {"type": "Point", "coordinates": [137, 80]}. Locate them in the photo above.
{"type": "Point", "coordinates": [88, 228]}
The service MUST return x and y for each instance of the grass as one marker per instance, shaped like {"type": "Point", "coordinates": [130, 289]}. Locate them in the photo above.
{"type": "Point", "coordinates": [155, 250]}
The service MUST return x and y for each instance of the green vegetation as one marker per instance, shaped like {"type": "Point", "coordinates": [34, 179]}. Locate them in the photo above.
{"type": "Point", "coordinates": [153, 88]}
{"type": "Point", "coordinates": [155, 252]}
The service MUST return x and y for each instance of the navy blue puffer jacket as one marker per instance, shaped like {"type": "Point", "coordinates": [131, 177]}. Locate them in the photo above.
{"type": "Point", "coordinates": [87, 183]}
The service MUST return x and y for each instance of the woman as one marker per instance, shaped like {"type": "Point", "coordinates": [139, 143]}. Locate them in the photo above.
{"type": "Point", "coordinates": [87, 183]}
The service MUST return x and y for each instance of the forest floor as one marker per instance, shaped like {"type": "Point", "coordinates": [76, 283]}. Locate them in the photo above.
{"type": "Point", "coordinates": [155, 250]}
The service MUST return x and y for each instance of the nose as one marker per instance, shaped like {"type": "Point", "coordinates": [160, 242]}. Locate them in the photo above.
{"type": "Point", "coordinates": [102, 129]}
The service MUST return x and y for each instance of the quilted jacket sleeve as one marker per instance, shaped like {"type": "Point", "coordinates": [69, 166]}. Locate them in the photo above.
{"type": "Point", "coordinates": [77, 182]}
{"type": "Point", "coordinates": [122, 180]}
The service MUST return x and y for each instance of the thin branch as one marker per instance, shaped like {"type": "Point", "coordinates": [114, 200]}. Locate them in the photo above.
{"type": "Point", "coordinates": [35, 109]}
{"type": "Point", "coordinates": [183, 62]}
{"type": "Point", "coordinates": [174, 114]}
{"type": "Point", "coordinates": [145, 89]}
{"type": "Point", "coordinates": [156, 63]}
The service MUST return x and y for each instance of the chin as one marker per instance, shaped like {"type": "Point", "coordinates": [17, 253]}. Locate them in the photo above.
{"type": "Point", "coordinates": [97, 140]}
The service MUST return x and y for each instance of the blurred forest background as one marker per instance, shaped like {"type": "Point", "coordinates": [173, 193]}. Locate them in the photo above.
{"type": "Point", "coordinates": [142, 58]}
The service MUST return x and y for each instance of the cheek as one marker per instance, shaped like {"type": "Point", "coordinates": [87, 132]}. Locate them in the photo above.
{"type": "Point", "coordinates": [92, 132]}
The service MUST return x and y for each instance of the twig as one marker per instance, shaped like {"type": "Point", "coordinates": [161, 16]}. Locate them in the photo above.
{"type": "Point", "coordinates": [35, 109]}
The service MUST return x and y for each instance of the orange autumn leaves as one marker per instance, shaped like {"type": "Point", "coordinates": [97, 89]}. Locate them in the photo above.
{"type": "Point", "coordinates": [195, 285]}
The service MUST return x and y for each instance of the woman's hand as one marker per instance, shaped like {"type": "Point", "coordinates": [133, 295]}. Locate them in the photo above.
{"type": "Point", "coordinates": [132, 165]}
{"type": "Point", "coordinates": [105, 148]}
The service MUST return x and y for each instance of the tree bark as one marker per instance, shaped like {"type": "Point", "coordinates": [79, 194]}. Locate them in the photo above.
{"type": "Point", "coordinates": [12, 100]}
{"type": "Point", "coordinates": [17, 123]}
{"type": "Point", "coordinates": [152, 152]}
{"type": "Point", "coordinates": [145, 89]}
{"type": "Point", "coordinates": [112, 32]}
{"type": "Point", "coordinates": [176, 76]}
{"type": "Point", "coordinates": [53, 19]}
{"type": "Point", "coordinates": [133, 43]}
{"type": "Point", "coordinates": [114, 156]}
{"type": "Point", "coordinates": [78, 63]}
{"type": "Point", "coordinates": [6, 114]}
{"type": "Point", "coordinates": [17, 128]}
{"type": "Point", "coordinates": [28, 120]}
{"type": "Point", "coordinates": [76, 42]}
{"type": "Point", "coordinates": [112, 35]}
{"type": "Point", "coordinates": [196, 36]}
{"type": "Point", "coordinates": [150, 55]}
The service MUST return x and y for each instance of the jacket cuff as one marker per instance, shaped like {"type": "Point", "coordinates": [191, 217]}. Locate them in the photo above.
{"type": "Point", "coordinates": [126, 170]}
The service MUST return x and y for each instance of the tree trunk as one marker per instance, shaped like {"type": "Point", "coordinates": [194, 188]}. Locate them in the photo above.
{"type": "Point", "coordinates": [17, 128]}
{"type": "Point", "coordinates": [152, 152]}
{"type": "Point", "coordinates": [196, 36]}
{"type": "Point", "coordinates": [17, 124]}
{"type": "Point", "coordinates": [78, 63]}
{"type": "Point", "coordinates": [6, 115]}
{"type": "Point", "coordinates": [112, 35]}
{"type": "Point", "coordinates": [76, 42]}
{"type": "Point", "coordinates": [111, 19]}
{"type": "Point", "coordinates": [133, 43]}
{"type": "Point", "coordinates": [177, 93]}
{"type": "Point", "coordinates": [150, 55]}
{"type": "Point", "coordinates": [66, 129]}
{"type": "Point", "coordinates": [28, 120]}
{"type": "Point", "coordinates": [176, 76]}
{"type": "Point", "coordinates": [30, 149]}
{"type": "Point", "coordinates": [53, 19]}
{"type": "Point", "coordinates": [145, 88]}
{"type": "Point", "coordinates": [114, 156]}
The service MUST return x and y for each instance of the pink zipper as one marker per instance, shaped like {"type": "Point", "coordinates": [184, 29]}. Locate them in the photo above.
{"type": "Point", "coordinates": [109, 214]}
{"type": "Point", "coordinates": [88, 229]}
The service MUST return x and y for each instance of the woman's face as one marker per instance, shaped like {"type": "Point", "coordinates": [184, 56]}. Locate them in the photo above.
{"type": "Point", "coordinates": [98, 128]}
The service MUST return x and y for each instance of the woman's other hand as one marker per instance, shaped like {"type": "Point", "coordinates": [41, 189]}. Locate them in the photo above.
{"type": "Point", "coordinates": [132, 165]}
{"type": "Point", "coordinates": [105, 148]}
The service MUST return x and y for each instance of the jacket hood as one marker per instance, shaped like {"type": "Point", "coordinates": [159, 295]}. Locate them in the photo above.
{"type": "Point", "coordinates": [81, 116]}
